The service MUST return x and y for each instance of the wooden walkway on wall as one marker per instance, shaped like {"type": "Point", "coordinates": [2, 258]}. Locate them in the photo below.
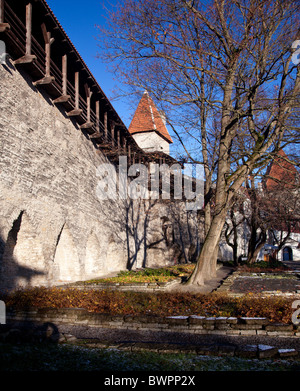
{"type": "Point", "coordinates": [36, 42]}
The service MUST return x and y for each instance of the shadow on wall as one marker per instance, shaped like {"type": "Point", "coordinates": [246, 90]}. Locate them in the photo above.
{"type": "Point", "coordinates": [23, 263]}
{"type": "Point", "coordinates": [21, 258]}
{"type": "Point", "coordinates": [153, 240]}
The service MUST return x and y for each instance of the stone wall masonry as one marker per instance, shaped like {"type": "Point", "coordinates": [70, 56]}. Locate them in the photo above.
{"type": "Point", "coordinates": [232, 326]}
{"type": "Point", "coordinates": [53, 228]}
{"type": "Point", "coordinates": [149, 287]}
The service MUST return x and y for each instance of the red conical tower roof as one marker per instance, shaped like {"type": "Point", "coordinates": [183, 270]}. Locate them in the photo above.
{"type": "Point", "coordinates": [147, 118]}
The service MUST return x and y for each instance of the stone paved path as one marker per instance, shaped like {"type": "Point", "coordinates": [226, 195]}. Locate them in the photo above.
{"type": "Point", "coordinates": [246, 284]}
{"type": "Point", "coordinates": [278, 282]}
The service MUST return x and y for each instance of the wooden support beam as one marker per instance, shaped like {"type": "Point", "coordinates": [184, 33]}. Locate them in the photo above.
{"type": "Point", "coordinates": [64, 74]}
{"type": "Point", "coordinates": [44, 81]}
{"type": "Point", "coordinates": [48, 42]}
{"type": "Point", "coordinates": [87, 125]}
{"type": "Point", "coordinates": [97, 116]}
{"type": "Point", "coordinates": [47, 79]}
{"type": "Point", "coordinates": [129, 154]}
{"type": "Point", "coordinates": [74, 113]}
{"type": "Point", "coordinates": [88, 94]}
{"type": "Point", "coordinates": [105, 125]}
{"type": "Point", "coordinates": [3, 26]}
{"type": "Point", "coordinates": [76, 90]}
{"type": "Point", "coordinates": [96, 135]}
{"type": "Point", "coordinates": [112, 132]}
{"type": "Point", "coordinates": [118, 139]}
{"type": "Point", "coordinates": [61, 99]}
{"type": "Point", "coordinates": [77, 111]}
{"type": "Point", "coordinates": [1, 11]}
{"type": "Point", "coordinates": [28, 28]}
{"type": "Point", "coordinates": [28, 57]}
{"type": "Point", "coordinates": [64, 97]}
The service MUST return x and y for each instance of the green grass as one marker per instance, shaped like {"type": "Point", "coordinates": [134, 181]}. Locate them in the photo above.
{"type": "Point", "coordinates": [147, 275]}
{"type": "Point", "coordinates": [48, 357]}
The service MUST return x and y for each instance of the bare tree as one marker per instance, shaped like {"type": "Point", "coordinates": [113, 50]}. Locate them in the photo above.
{"type": "Point", "coordinates": [226, 65]}
{"type": "Point", "coordinates": [234, 224]}
{"type": "Point", "coordinates": [272, 212]}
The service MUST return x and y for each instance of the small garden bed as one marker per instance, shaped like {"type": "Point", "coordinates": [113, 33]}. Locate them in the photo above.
{"type": "Point", "coordinates": [102, 300]}
{"type": "Point", "coordinates": [262, 266]}
{"type": "Point", "coordinates": [148, 275]}
{"type": "Point", "coordinates": [276, 309]}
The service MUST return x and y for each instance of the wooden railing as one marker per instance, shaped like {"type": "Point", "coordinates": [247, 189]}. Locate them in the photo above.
{"type": "Point", "coordinates": [20, 44]}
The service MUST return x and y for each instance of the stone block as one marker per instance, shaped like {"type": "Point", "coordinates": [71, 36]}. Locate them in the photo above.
{"type": "Point", "coordinates": [196, 320]}
{"type": "Point", "coordinates": [100, 319]}
{"type": "Point", "coordinates": [177, 320]}
{"type": "Point", "coordinates": [226, 350]}
{"type": "Point", "coordinates": [248, 332]}
{"type": "Point", "coordinates": [266, 351]}
{"type": "Point", "coordinates": [240, 326]}
{"type": "Point", "coordinates": [221, 319]}
{"type": "Point", "coordinates": [148, 319]}
{"type": "Point", "coordinates": [210, 320]}
{"type": "Point", "coordinates": [177, 327]}
{"type": "Point", "coordinates": [233, 332]}
{"type": "Point", "coordinates": [232, 320]}
{"type": "Point", "coordinates": [115, 324]}
{"type": "Point", "coordinates": [207, 350]}
{"type": "Point", "coordinates": [254, 321]}
{"type": "Point", "coordinates": [129, 318]}
{"type": "Point", "coordinates": [195, 327]}
{"type": "Point", "coordinates": [279, 327]}
{"type": "Point", "coordinates": [281, 333]}
{"type": "Point", "coordinates": [208, 326]}
{"type": "Point", "coordinates": [247, 351]}
{"type": "Point", "coordinates": [261, 332]}
{"type": "Point", "coordinates": [199, 331]}
{"type": "Point", "coordinates": [287, 353]}
{"type": "Point", "coordinates": [217, 332]}
{"type": "Point", "coordinates": [132, 325]}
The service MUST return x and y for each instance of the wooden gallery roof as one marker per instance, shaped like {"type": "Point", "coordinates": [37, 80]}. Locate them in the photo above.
{"type": "Point", "coordinates": [36, 41]}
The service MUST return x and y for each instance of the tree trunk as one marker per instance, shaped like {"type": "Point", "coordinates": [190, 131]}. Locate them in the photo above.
{"type": "Point", "coordinates": [255, 245]}
{"type": "Point", "coordinates": [206, 264]}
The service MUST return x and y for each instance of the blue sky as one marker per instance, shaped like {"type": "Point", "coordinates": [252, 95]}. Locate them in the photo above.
{"type": "Point", "coordinates": [79, 19]}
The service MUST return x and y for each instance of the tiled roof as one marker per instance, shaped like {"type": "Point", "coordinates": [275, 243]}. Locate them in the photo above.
{"type": "Point", "coordinates": [147, 118]}
{"type": "Point", "coordinates": [281, 173]}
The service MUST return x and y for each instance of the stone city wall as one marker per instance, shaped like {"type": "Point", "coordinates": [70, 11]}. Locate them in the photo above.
{"type": "Point", "coordinates": [53, 227]}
